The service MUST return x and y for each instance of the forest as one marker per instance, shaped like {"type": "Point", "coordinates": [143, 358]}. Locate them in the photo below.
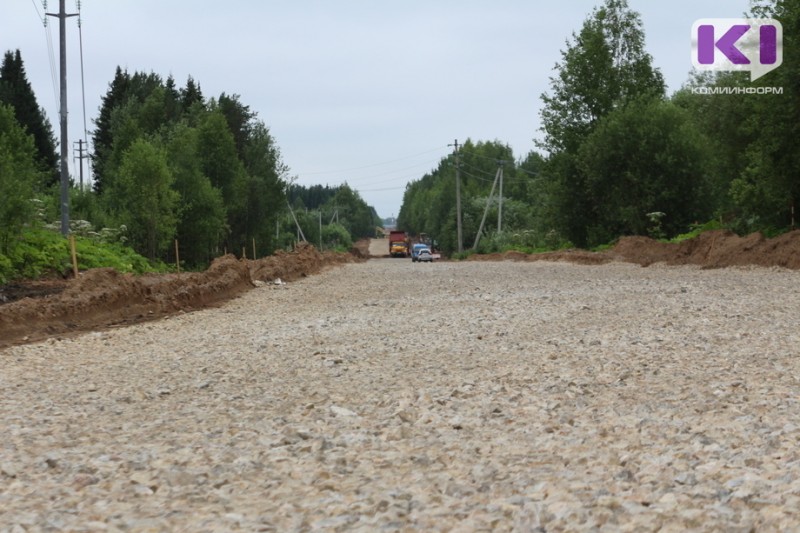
{"type": "Point", "coordinates": [618, 156]}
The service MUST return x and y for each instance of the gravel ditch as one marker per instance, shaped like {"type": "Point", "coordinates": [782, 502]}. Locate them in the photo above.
{"type": "Point", "coordinates": [391, 396]}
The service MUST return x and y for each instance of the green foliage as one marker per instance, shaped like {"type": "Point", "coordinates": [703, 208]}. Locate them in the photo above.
{"type": "Point", "coordinates": [16, 91]}
{"type": "Point", "coordinates": [429, 204]}
{"type": "Point", "coordinates": [643, 158]}
{"type": "Point", "coordinates": [335, 236]}
{"type": "Point", "coordinates": [340, 203]}
{"type": "Point", "coordinates": [697, 229]}
{"type": "Point", "coordinates": [17, 178]}
{"type": "Point", "coordinates": [753, 138]}
{"type": "Point", "coordinates": [149, 207]}
{"type": "Point", "coordinates": [201, 224]}
{"type": "Point", "coordinates": [604, 68]}
{"type": "Point", "coordinates": [227, 169]}
{"type": "Point", "coordinates": [41, 252]}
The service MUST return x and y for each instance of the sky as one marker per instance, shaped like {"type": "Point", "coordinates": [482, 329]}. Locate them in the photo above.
{"type": "Point", "coordinates": [366, 92]}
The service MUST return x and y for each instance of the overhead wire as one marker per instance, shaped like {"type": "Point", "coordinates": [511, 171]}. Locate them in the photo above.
{"type": "Point", "coordinates": [41, 18]}
{"type": "Point", "coordinates": [373, 164]}
{"type": "Point", "coordinates": [355, 179]}
{"type": "Point", "coordinates": [83, 95]}
{"type": "Point", "coordinates": [51, 56]}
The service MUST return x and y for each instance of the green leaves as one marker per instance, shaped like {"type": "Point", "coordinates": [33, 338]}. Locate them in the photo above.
{"type": "Point", "coordinates": [643, 158]}
{"type": "Point", "coordinates": [16, 91]}
{"type": "Point", "coordinates": [18, 176]}
{"type": "Point", "coordinates": [149, 211]}
{"type": "Point", "coordinates": [604, 69]}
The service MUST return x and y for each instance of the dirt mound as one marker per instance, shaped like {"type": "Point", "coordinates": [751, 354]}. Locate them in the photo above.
{"type": "Point", "coordinates": [714, 249]}
{"type": "Point", "coordinates": [103, 297]}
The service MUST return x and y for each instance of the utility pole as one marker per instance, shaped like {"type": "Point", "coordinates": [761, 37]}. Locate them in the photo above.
{"type": "Point", "coordinates": [486, 210]}
{"type": "Point", "coordinates": [62, 34]}
{"type": "Point", "coordinates": [458, 199]}
{"type": "Point", "coordinates": [299, 229]}
{"type": "Point", "coordinates": [500, 198]}
{"type": "Point", "coordinates": [81, 157]}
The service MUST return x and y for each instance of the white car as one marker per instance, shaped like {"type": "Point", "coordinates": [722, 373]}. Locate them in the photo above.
{"type": "Point", "coordinates": [425, 255]}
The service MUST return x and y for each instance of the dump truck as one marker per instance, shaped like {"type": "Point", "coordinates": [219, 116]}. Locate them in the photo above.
{"type": "Point", "coordinates": [398, 244]}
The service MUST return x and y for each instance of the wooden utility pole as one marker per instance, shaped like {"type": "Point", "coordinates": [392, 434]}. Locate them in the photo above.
{"type": "Point", "coordinates": [62, 37]}
{"type": "Point", "coordinates": [458, 199]}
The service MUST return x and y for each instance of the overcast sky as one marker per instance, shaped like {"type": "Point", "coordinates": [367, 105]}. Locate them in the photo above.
{"type": "Point", "coordinates": [368, 92]}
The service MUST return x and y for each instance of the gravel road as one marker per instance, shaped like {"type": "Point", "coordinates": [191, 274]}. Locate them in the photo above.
{"type": "Point", "coordinates": [391, 396]}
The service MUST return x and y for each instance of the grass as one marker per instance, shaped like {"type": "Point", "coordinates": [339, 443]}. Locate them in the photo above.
{"type": "Point", "coordinates": [41, 252]}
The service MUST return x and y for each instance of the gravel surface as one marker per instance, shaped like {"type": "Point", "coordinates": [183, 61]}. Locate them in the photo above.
{"type": "Point", "coordinates": [391, 396]}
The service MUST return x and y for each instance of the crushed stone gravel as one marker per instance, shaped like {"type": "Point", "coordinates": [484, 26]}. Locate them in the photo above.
{"type": "Point", "coordinates": [392, 396]}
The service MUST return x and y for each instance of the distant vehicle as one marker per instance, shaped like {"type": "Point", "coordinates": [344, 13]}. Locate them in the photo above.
{"type": "Point", "coordinates": [398, 244]}
{"type": "Point", "coordinates": [416, 248]}
{"type": "Point", "coordinates": [424, 255]}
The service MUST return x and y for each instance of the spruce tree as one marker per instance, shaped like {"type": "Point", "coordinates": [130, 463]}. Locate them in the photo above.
{"type": "Point", "coordinates": [16, 91]}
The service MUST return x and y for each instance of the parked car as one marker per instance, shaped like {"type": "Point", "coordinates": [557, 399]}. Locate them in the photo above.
{"type": "Point", "coordinates": [425, 255]}
{"type": "Point", "coordinates": [415, 251]}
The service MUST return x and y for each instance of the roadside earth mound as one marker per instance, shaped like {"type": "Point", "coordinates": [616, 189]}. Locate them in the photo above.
{"type": "Point", "coordinates": [714, 249]}
{"type": "Point", "coordinates": [103, 297]}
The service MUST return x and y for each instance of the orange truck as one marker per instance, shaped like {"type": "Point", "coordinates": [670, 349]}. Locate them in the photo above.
{"type": "Point", "coordinates": [398, 244]}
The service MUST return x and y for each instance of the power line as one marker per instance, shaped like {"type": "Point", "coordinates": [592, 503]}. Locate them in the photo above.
{"type": "Point", "coordinates": [371, 165]}
{"type": "Point", "coordinates": [381, 190]}
{"type": "Point", "coordinates": [51, 56]}
{"type": "Point", "coordinates": [390, 172]}
{"type": "Point", "coordinates": [41, 18]}
{"type": "Point", "coordinates": [473, 176]}
{"type": "Point", "coordinates": [83, 96]}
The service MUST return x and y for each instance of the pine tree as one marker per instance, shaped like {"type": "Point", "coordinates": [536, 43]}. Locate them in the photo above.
{"type": "Point", "coordinates": [102, 136]}
{"type": "Point", "coordinates": [16, 91]}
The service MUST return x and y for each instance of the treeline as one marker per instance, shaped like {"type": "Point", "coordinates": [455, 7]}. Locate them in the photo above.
{"type": "Point", "coordinates": [620, 157]}
{"type": "Point", "coordinates": [169, 164]}
{"type": "Point", "coordinates": [339, 213]}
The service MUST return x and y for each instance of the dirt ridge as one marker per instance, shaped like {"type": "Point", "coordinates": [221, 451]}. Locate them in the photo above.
{"type": "Point", "coordinates": [712, 249]}
{"type": "Point", "coordinates": [103, 297]}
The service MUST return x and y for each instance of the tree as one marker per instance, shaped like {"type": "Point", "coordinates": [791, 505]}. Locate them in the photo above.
{"type": "Point", "coordinates": [103, 137]}
{"type": "Point", "coordinates": [144, 199]}
{"type": "Point", "coordinates": [642, 158]}
{"type": "Point", "coordinates": [16, 91]}
{"type": "Point", "coordinates": [768, 189]}
{"type": "Point", "coordinates": [603, 68]}
{"type": "Point", "coordinates": [240, 120]}
{"type": "Point", "coordinates": [755, 138]}
{"type": "Point", "coordinates": [202, 224]}
{"type": "Point", "coordinates": [354, 213]}
{"type": "Point", "coordinates": [18, 175]}
{"type": "Point", "coordinates": [191, 95]}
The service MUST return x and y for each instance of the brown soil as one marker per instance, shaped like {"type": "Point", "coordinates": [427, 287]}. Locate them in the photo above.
{"type": "Point", "coordinates": [713, 249]}
{"type": "Point", "coordinates": [103, 297]}
{"type": "Point", "coordinates": [98, 298]}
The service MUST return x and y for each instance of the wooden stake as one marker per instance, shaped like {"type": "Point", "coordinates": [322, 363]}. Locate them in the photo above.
{"type": "Point", "coordinates": [177, 257]}
{"type": "Point", "coordinates": [254, 247]}
{"type": "Point", "coordinates": [244, 252]}
{"type": "Point", "coordinates": [74, 254]}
